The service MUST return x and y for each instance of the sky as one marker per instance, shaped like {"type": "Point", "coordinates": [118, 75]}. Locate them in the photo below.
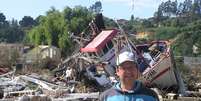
{"type": "Point", "coordinates": [115, 9]}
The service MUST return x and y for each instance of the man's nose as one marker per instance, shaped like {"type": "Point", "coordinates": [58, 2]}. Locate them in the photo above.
{"type": "Point", "coordinates": [128, 70]}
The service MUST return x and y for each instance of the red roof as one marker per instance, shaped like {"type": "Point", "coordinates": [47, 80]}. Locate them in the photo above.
{"type": "Point", "coordinates": [99, 41]}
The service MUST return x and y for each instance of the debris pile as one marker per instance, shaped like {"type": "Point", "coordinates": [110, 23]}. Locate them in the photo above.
{"type": "Point", "coordinates": [91, 70]}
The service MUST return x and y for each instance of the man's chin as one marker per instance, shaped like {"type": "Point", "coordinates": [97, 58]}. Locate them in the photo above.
{"type": "Point", "coordinates": [129, 79]}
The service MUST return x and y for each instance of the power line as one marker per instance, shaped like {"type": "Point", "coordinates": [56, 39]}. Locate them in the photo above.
{"type": "Point", "coordinates": [133, 5]}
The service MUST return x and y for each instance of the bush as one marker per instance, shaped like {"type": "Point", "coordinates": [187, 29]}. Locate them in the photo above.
{"type": "Point", "coordinates": [165, 33]}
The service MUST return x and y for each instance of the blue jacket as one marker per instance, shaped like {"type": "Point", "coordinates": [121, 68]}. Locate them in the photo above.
{"type": "Point", "coordinates": [139, 93]}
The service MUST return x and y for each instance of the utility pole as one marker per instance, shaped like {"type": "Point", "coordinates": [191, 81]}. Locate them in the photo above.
{"type": "Point", "coordinates": [133, 5]}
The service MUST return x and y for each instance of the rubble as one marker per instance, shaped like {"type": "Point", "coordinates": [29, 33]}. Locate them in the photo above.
{"type": "Point", "coordinates": [88, 72]}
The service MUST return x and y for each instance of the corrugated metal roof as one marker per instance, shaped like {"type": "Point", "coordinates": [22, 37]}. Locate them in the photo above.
{"type": "Point", "coordinates": [99, 41]}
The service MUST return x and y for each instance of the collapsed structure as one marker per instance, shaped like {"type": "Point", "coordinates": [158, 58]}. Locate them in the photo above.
{"type": "Point", "coordinates": [91, 69]}
{"type": "Point", "coordinates": [155, 60]}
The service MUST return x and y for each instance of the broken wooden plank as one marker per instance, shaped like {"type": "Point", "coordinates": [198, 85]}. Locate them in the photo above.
{"type": "Point", "coordinates": [74, 96]}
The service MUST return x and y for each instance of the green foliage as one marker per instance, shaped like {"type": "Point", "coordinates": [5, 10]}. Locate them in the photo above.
{"type": "Point", "coordinates": [164, 33]}
{"type": "Point", "coordinates": [183, 46]}
{"type": "Point", "coordinates": [185, 37]}
{"type": "Point", "coordinates": [10, 31]}
{"type": "Point", "coordinates": [96, 7]}
{"type": "Point", "coordinates": [27, 21]}
{"type": "Point", "coordinates": [168, 22]}
{"type": "Point", "coordinates": [147, 23]}
{"type": "Point", "coordinates": [168, 8]}
{"type": "Point", "coordinates": [49, 28]}
{"type": "Point", "coordinates": [65, 44]}
{"type": "Point", "coordinates": [55, 28]}
{"type": "Point", "coordinates": [109, 23]}
{"type": "Point", "coordinates": [11, 35]}
{"type": "Point", "coordinates": [2, 18]}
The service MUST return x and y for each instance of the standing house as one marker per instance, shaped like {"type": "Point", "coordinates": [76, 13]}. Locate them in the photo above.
{"type": "Point", "coordinates": [51, 52]}
{"type": "Point", "coordinates": [43, 52]}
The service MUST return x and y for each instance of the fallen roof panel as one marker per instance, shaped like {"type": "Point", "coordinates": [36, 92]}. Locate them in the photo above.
{"type": "Point", "coordinates": [99, 41]}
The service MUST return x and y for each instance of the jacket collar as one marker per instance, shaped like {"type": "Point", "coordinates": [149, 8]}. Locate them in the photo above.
{"type": "Point", "coordinates": [136, 87]}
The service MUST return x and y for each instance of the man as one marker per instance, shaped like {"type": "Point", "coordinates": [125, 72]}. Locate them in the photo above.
{"type": "Point", "coordinates": [129, 88]}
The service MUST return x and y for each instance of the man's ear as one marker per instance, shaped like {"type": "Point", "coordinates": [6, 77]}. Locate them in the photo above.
{"type": "Point", "coordinates": [117, 71]}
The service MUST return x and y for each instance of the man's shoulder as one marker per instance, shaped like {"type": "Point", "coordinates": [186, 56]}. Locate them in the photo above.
{"type": "Point", "coordinates": [110, 92]}
{"type": "Point", "coordinates": [148, 91]}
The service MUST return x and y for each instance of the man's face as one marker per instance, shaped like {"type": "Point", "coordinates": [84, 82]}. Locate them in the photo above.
{"type": "Point", "coordinates": [127, 71]}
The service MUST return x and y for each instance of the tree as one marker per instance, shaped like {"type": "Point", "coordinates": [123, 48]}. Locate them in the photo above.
{"type": "Point", "coordinates": [174, 7]}
{"type": "Point", "coordinates": [147, 23]}
{"type": "Point", "coordinates": [196, 8]}
{"type": "Point", "coordinates": [97, 7]}
{"type": "Point", "coordinates": [14, 23]}
{"type": "Point", "coordinates": [11, 35]}
{"type": "Point", "coordinates": [186, 8]}
{"type": "Point", "coordinates": [39, 19]}
{"type": "Point", "coordinates": [99, 22]}
{"type": "Point", "coordinates": [81, 17]}
{"type": "Point", "coordinates": [68, 13]}
{"type": "Point", "coordinates": [2, 18]}
{"type": "Point", "coordinates": [55, 27]}
{"type": "Point", "coordinates": [158, 17]}
{"type": "Point", "coordinates": [3, 22]}
{"type": "Point", "coordinates": [109, 23]}
{"type": "Point", "coordinates": [168, 8]}
{"type": "Point", "coordinates": [27, 21]}
{"type": "Point", "coordinates": [132, 17]}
